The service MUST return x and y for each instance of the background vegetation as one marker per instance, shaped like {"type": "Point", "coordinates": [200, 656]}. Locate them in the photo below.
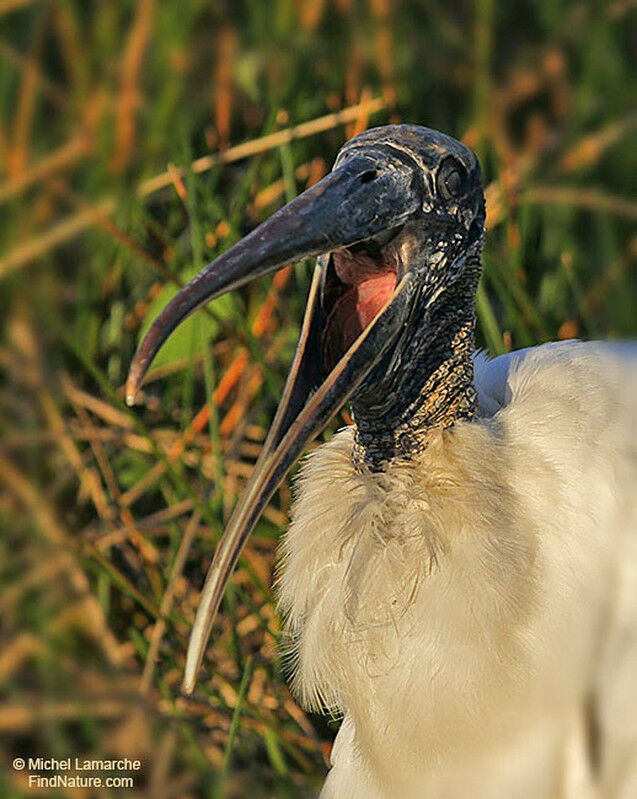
{"type": "Point", "coordinates": [109, 516]}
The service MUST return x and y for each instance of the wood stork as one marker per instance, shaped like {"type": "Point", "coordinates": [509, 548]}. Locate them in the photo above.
{"type": "Point", "coordinates": [459, 579]}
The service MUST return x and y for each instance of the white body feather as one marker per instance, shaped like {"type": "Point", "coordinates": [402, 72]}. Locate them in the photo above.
{"type": "Point", "coordinates": [470, 612]}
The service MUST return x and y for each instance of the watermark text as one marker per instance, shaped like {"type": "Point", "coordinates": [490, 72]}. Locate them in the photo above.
{"type": "Point", "coordinates": [78, 772]}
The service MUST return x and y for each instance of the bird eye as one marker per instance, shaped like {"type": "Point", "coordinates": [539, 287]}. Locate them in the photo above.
{"type": "Point", "coordinates": [452, 179]}
{"type": "Point", "coordinates": [453, 182]}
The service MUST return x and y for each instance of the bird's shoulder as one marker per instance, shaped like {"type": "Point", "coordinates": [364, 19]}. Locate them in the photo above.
{"type": "Point", "coordinates": [596, 375]}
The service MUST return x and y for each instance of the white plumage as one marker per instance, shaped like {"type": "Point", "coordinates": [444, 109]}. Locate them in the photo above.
{"type": "Point", "coordinates": [473, 614]}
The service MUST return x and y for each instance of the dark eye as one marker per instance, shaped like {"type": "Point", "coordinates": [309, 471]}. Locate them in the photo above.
{"type": "Point", "coordinates": [452, 179]}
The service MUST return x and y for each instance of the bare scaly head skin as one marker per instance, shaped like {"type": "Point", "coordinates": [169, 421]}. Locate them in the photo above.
{"type": "Point", "coordinates": [426, 379]}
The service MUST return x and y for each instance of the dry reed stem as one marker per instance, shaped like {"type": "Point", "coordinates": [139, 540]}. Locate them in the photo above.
{"type": "Point", "coordinates": [167, 602]}
{"type": "Point", "coordinates": [89, 481]}
{"type": "Point", "coordinates": [53, 567]}
{"type": "Point", "coordinates": [68, 228]}
{"type": "Point", "coordinates": [223, 84]}
{"type": "Point", "coordinates": [147, 523]}
{"type": "Point", "coordinates": [62, 158]}
{"type": "Point", "coordinates": [58, 234]}
{"type": "Point", "coordinates": [7, 6]}
{"type": "Point", "coordinates": [589, 149]}
{"type": "Point", "coordinates": [353, 76]}
{"type": "Point", "coordinates": [104, 221]}
{"type": "Point", "coordinates": [311, 13]}
{"type": "Point", "coordinates": [106, 412]}
{"type": "Point", "coordinates": [48, 88]}
{"type": "Point", "coordinates": [362, 121]}
{"type": "Point", "coordinates": [95, 443]}
{"type": "Point", "coordinates": [275, 190]}
{"type": "Point", "coordinates": [264, 144]}
{"type": "Point", "coordinates": [130, 94]}
{"type": "Point", "coordinates": [20, 718]}
{"type": "Point", "coordinates": [20, 144]}
{"type": "Point", "coordinates": [72, 46]}
{"type": "Point", "coordinates": [177, 182]}
{"type": "Point", "coordinates": [134, 493]}
{"type": "Point", "coordinates": [582, 198]}
{"type": "Point", "coordinates": [16, 652]}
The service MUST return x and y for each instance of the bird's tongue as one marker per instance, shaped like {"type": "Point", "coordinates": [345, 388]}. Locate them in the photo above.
{"type": "Point", "coordinates": [355, 311]}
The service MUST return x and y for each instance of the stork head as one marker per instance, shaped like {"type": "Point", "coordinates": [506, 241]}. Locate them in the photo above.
{"type": "Point", "coordinates": [394, 225]}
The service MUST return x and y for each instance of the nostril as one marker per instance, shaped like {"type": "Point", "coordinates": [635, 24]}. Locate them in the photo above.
{"type": "Point", "coordinates": [368, 176]}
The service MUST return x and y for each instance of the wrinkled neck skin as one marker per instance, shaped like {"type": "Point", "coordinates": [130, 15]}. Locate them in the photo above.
{"type": "Point", "coordinates": [427, 381]}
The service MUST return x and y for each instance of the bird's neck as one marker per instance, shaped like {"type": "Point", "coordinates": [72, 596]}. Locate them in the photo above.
{"type": "Point", "coordinates": [433, 386]}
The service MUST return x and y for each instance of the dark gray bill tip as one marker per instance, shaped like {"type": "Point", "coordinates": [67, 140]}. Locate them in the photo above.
{"type": "Point", "coordinates": [143, 357]}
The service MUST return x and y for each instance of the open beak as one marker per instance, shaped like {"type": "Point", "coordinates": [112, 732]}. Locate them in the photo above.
{"type": "Point", "coordinates": [356, 203]}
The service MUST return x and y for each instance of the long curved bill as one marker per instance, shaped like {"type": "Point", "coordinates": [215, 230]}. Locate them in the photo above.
{"type": "Point", "coordinates": [340, 210]}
